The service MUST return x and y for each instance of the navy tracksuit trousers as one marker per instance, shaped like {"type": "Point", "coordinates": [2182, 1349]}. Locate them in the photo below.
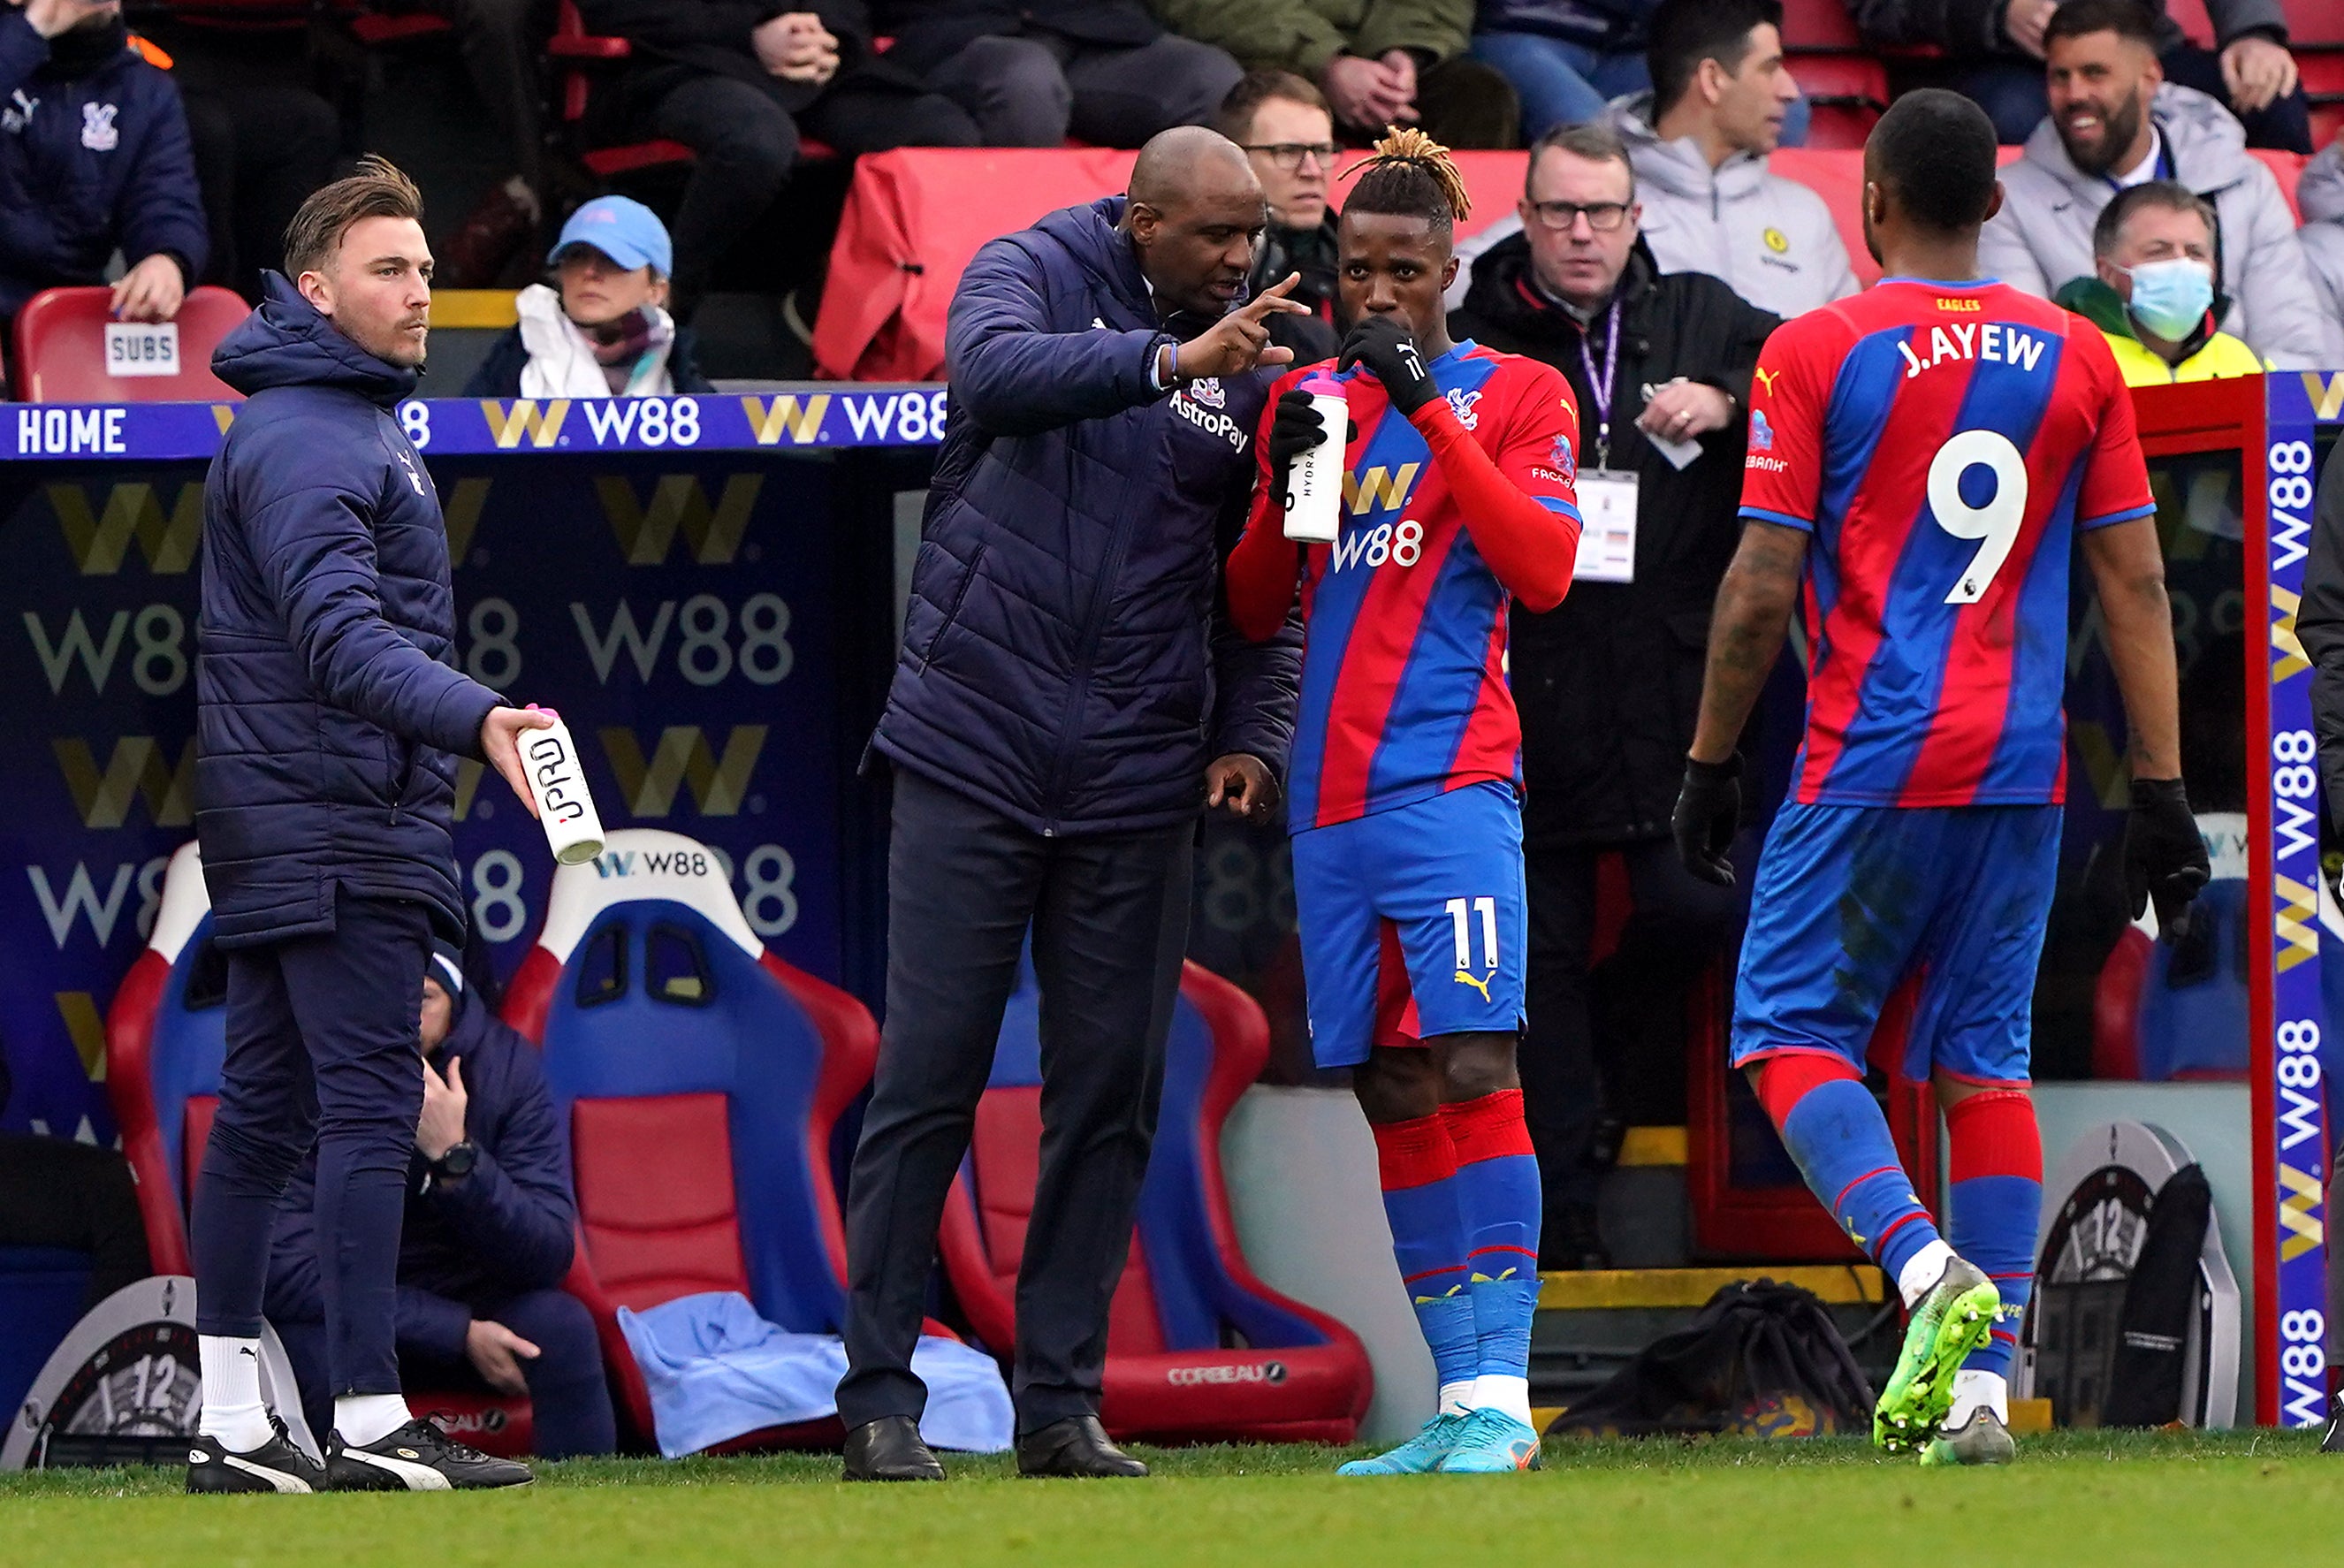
{"type": "Point", "coordinates": [323, 1036]}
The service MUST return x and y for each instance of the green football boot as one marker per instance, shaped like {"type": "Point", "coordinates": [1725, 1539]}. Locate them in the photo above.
{"type": "Point", "coordinates": [1981, 1440]}
{"type": "Point", "coordinates": [1953, 1319]}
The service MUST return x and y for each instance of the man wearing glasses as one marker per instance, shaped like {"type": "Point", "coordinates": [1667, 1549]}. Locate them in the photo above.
{"type": "Point", "coordinates": [1609, 685]}
{"type": "Point", "coordinates": [1283, 124]}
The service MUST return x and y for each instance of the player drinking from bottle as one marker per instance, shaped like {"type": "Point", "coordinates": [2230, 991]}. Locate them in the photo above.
{"type": "Point", "coordinates": [1408, 858]}
{"type": "Point", "coordinates": [1922, 456]}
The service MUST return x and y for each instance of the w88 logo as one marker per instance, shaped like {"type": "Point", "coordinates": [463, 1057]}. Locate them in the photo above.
{"type": "Point", "coordinates": [1402, 544]}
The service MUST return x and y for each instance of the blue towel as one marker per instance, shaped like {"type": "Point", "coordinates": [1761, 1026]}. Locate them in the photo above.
{"type": "Point", "coordinates": [716, 1370]}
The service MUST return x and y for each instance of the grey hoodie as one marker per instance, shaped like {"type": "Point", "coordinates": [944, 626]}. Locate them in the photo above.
{"type": "Point", "coordinates": [2042, 238]}
{"type": "Point", "coordinates": [1771, 238]}
{"type": "Point", "coordinates": [2320, 195]}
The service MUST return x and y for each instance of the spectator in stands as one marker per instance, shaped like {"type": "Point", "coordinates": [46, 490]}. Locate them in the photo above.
{"type": "Point", "coordinates": [1029, 75]}
{"type": "Point", "coordinates": [734, 83]}
{"type": "Point", "coordinates": [503, 45]}
{"type": "Point", "coordinates": [1700, 141]}
{"type": "Point", "coordinates": [2153, 300]}
{"type": "Point", "coordinates": [2115, 122]}
{"type": "Point", "coordinates": [487, 1239]}
{"type": "Point", "coordinates": [1994, 50]}
{"type": "Point", "coordinates": [1283, 124]}
{"type": "Point", "coordinates": [605, 331]}
{"type": "Point", "coordinates": [56, 1192]}
{"type": "Point", "coordinates": [2320, 193]}
{"type": "Point", "coordinates": [1609, 685]}
{"type": "Point", "coordinates": [1569, 59]}
{"type": "Point", "coordinates": [93, 158]}
{"type": "Point", "coordinates": [1379, 62]}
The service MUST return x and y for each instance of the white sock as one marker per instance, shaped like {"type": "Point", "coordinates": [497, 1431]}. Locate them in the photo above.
{"type": "Point", "coordinates": [232, 1409]}
{"type": "Point", "coordinates": [1506, 1395]}
{"type": "Point", "coordinates": [1456, 1399]}
{"type": "Point", "coordinates": [1972, 1390]}
{"type": "Point", "coordinates": [1921, 1270]}
{"type": "Point", "coordinates": [362, 1418]}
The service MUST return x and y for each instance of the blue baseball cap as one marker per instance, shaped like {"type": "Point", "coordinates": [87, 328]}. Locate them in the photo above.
{"type": "Point", "coordinates": [626, 231]}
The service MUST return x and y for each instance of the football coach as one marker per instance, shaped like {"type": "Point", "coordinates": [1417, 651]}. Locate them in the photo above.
{"type": "Point", "coordinates": [328, 722]}
{"type": "Point", "coordinates": [1066, 704]}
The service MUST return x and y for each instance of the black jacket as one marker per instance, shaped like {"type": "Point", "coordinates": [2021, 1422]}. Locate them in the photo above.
{"type": "Point", "coordinates": [328, 710]}
{"type": "Point", "coordinates": [499, 374]}
{"type": "Point", "coordinates": [1609, 683]}
{"type": "Point", "coordinates": [677, 41]}
{"type": "Point", "coordinates": [927, 33]}
{"type": "Point", "coordinates": [506, 1228]}
{"type": "Point", "coordinates": [1310, 252]}
{"type": "Point", "coordinates": [2321, 624]}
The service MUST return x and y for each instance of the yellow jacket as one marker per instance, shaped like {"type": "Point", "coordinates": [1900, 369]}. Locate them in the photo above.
{"type": "Point", "coordinates": [2221, 356]}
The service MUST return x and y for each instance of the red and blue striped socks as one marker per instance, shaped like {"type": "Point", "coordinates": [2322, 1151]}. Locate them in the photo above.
{"type": "Point", "coordinates": [1417, 1169]}
{"type": "Point", "coordinates": [1839, 1139]}
{"type": "Point", "coordinates": [1994, 1212]}
{"type": "Point", "coordinates": [1498, 1193]}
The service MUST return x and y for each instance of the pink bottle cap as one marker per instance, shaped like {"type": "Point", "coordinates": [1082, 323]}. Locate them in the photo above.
{"type": "Point", "coordinates": [1321, 383]}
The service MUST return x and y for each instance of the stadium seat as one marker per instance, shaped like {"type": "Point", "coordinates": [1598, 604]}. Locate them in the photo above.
{"type": "Point", "coordinates": [1816, 26]}
{"type": "Point", "coordinates": [2313, 23]}
{"type": "Point", "coordinates": [2288, 169]}
{"type": "Point", "coordinates": [2190, 17]}
{"type": "Point", "coordinates": [915, 216]}
{"type": "Point", "coordinates": [2323, 85]}
{"type": "Point", "coordinates": [2165, 1011]}
{"type": "Point", "coordinates": [667, 1026]}
{"type": "Point", "coordinates": [1198, 1349]}
{"type": "Point", "coordinates": [165, 1036]}
{"type": "Point", "coordinates": [60, 349]}
{"type": "Point", "coordinates": [1847, 95]}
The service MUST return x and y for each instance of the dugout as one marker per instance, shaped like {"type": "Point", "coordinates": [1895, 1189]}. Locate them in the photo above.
{"type": "Point", "coordinates": [709, 589]}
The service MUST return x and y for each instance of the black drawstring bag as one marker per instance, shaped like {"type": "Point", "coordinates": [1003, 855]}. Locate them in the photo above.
{"type": "Point", "coordinates": [1760, 1360]}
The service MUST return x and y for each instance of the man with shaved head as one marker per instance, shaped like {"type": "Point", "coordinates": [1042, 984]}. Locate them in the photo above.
{"type": "Point", "coordinates": [1065, 679]}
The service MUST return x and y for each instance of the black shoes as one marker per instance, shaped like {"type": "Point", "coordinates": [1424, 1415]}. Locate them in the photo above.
{"type": "Point", "coordinates": [274, 1466]}
{"type": "Point", "coordinates": [417, 1457]}
{"type": "Point", "coordinates": [890, 1448]}
{"type": "Point", "coordinates": [1077, 1446]}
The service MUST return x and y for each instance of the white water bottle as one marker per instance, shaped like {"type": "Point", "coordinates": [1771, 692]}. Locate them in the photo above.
{"type": "Point", "coordinates": [1315, 477]}
{"type": "Point", "coordinates": [565, 808]}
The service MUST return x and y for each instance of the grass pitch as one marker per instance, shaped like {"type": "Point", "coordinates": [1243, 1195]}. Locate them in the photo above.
{"type": "Point", "coordinates": [2078, 1499]}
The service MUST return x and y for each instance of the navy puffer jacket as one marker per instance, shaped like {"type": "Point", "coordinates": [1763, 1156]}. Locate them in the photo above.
{"type": "Point", "coordinates": [328, 712]}
{"type": "Point", "coordinates": [1064, 659]}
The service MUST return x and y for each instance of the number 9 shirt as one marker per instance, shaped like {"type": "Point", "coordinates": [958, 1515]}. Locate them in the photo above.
{"type": "Point", "coordinates": [1943, 443]}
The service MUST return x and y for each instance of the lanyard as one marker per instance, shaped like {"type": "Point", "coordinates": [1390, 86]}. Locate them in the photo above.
{"type": "Point", "coordinates": [1599, 386]}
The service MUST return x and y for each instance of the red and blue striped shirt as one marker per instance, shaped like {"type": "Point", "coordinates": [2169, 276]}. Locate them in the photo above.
{"type": "Point", "coordinates": [1943, 443]}
{"type": "Point", "coordinates": [1404, 692]}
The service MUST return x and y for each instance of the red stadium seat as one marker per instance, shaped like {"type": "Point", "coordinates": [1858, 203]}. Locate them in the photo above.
{"type": "Point", "coordinates": [2288, 168]}
{"type": "Point", "coordinates": [1811, 25]}
{"type": "Point", "coordinates": [2313, 23]}
{"type": "Point", "coordinates": [1847, 95]}
{"type": "Point", "coordinates": [60, 349]}
{"type": "Point", "coordinates": [165, 1036]}
{"type": "Point", "coordinates": [666, 1024]}
{"type": "Point", "coordinates": [2192, 17]}
{"type": "Point", "coordinates": [915, 216]}
{"type": "Point", "coordinates": [575, 54]}
{"type": "Point", "coordinates": [1198, 1349]}
{"type": "Point", "coordinates": [2323, 84]}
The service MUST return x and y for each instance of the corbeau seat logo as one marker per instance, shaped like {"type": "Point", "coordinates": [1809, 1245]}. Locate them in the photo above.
{"type": "Point", "coordinates": [1205, 1377]}
{"type": "Point", "coordinates": [682, 756]}
{"type": "Point", "coordinates": [100, 539]}
{"type": "Point", "coordinates": [678, 502]}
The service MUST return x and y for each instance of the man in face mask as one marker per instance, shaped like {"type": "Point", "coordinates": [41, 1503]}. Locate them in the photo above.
{"type": "Point", "coordinates": [2153, 296]}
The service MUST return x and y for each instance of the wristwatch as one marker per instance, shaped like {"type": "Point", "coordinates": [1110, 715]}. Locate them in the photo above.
{"type": "Point", "coordinates": [458, 1161]}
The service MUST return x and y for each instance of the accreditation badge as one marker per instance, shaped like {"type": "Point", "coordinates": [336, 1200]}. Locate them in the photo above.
{"type": "Point", "coordinates": [1607, 535]}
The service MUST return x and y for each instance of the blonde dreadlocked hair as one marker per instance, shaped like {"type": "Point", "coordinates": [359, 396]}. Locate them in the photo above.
{"type": "Point", "coordinates": [1411, 175]}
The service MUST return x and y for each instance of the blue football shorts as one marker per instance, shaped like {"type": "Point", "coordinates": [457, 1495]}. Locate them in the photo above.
{"type": "Point", "coordinates": [1413, 923]}
{"type": "Point", "coordinates": [1851, 900]}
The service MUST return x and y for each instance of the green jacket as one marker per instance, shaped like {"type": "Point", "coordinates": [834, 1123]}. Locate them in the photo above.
{"type": "Point", "coordinates": [2206, 355]}
{"type": "Point", "coordinates": [1302, 35]}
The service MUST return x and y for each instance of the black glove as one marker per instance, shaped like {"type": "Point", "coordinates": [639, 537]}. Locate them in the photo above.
{"type": "Point", "coordinates": [1296, 427]}
{"type": "Point", "coordinates": [1390, 355]}
{"type": "Point", "coordinates": [2164, 854]}
{"type": "Point", "coordinates": [1708, 816]}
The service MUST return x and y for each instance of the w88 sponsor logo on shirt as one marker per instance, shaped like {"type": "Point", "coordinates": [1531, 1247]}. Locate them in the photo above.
{"type": "Point", "coordinates": [1400, 544]}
